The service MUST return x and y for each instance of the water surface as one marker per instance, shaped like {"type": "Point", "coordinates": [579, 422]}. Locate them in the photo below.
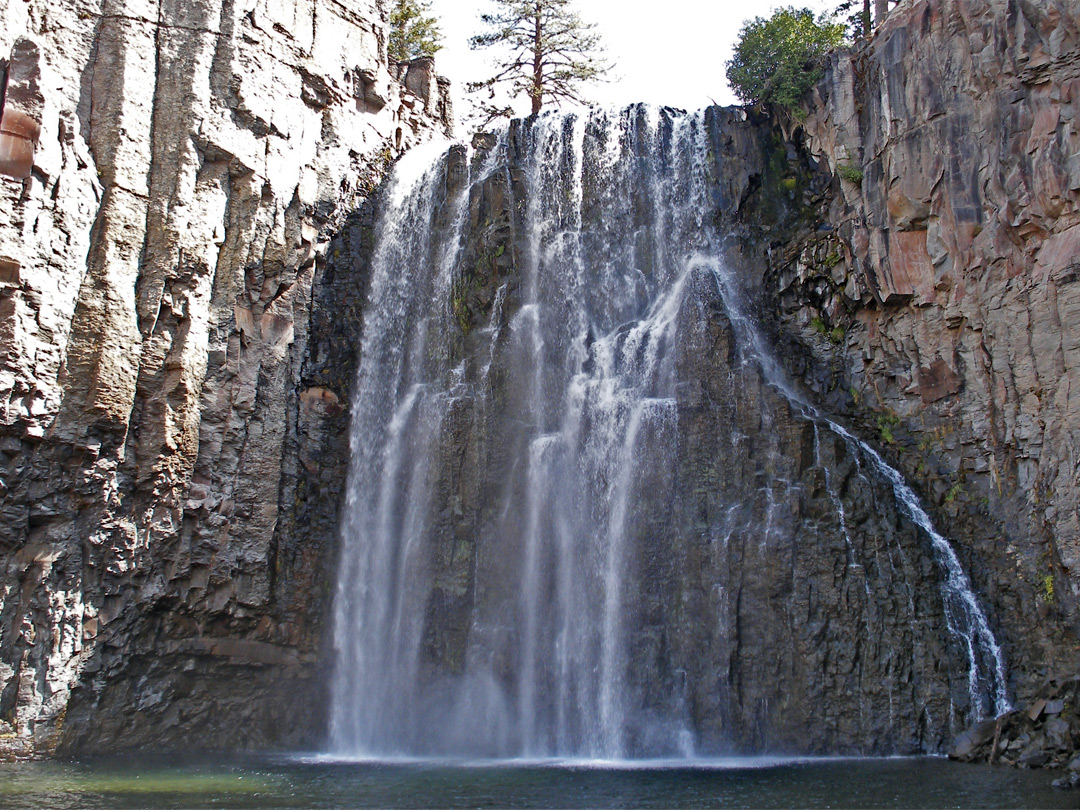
{"type": "Point", "coordinates": [320, 783]}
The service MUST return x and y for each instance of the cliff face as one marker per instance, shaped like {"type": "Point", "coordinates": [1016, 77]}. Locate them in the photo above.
{"type": "Point", "coordinates": [179, 334]}
{"type": "Point", "coordinates": [912, 239]}
{"type": "Point", "coordinates": [173, 172]}
{"type": "Point", "coordinates": [937, 304]}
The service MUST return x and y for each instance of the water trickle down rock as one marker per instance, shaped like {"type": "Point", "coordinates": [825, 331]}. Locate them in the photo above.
{"type": "Point", "coordinates": [931, 299]}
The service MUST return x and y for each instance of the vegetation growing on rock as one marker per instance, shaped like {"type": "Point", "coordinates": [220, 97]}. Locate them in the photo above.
{"type": "Point", "coordinates": [413, 34]}
{"type": "Point", "coordinates": [850, 172]}
{"type": "Point", "coordinates": [777, 60]}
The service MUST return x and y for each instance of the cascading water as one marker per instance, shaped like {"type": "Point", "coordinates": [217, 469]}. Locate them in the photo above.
{"type": "Point", "coordinates": [965, 618]}
{"type": "Point", "coordinates": [574, 525]}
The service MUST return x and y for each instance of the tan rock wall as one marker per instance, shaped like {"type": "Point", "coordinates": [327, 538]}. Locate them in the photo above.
{"type": "Point", "coordinates": [156, 273]}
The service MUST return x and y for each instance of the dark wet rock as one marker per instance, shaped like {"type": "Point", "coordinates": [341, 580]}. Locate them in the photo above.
{"type": "Point", "coordinates": [975, 738]}
{"type": "Point", "coordinates": [1069, 782]}
{"type": "Point", "coordinates": [772, 621]}
{"type": "Point", "coordinates": [1046, 733]}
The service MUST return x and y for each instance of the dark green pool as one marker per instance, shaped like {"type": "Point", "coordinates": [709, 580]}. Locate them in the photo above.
{"type": "Point", "coordinates": [316, 783]}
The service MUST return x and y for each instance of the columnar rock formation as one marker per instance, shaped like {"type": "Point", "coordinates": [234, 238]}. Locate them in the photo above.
{"type": "Point", "coordinates": [174, 169]}
{"type": "Point", "coordinates": [939, 301]}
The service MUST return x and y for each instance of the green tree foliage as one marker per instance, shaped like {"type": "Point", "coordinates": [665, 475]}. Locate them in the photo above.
{"type": "Point", "coordinates": [546, 53]}
{"type": "Point", "coordinates": [777, 60]}
{"type": "Point", "coordinates": [413, 34]}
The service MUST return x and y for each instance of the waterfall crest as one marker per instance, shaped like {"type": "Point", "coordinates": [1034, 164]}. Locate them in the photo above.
{"type": "Point", "coordinates": [585, 517]}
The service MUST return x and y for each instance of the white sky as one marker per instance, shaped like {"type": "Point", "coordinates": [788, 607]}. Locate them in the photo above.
{"type": "Point", "coordinates": [665, 51]}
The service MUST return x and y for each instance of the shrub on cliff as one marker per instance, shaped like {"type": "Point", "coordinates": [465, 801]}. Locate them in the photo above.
{"type": "Point", "coordinates": [778, 59]}
{"type": "Point", "coordinates": [413, 34]}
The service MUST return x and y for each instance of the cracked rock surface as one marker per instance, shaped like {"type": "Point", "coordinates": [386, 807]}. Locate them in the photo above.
{"type": "Point", "coordinates": [936, 303]}
{"type": "Point", "coordinates": [174, 170]}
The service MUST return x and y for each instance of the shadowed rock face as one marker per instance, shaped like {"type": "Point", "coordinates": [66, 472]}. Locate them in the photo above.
{"type": "Point", "coordinates": [156, 273]}
{"type": "Point", "coordinates": [913, 297]}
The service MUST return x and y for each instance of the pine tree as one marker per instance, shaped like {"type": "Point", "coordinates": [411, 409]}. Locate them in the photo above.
{"type": "Point", "coordinates": [549, 53]}
{"type": "Point", "coordinates": [857, 15]}
{"type": "Point", "coordinates": [412, 33]}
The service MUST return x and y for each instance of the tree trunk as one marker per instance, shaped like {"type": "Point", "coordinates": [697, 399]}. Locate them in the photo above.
{"type": "Point", "coordinates": [538, 65]}
{"type": "Point", "coordinates": [881, 11]}
{"type": "Point", "coordinates": [867, 27]}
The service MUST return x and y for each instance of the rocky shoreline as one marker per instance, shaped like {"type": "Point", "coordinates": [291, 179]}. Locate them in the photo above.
{"type": "Point", "coordinates": [1045, 733]}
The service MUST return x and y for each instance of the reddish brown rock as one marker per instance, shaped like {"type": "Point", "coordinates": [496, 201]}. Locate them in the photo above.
{"type": "Point", "coordinates": [964, 236]}
{"type": "Point", "coordinates": [18, 137]}
{"type": "Point", "coordinates": [20, 119]}
{"type": "Point", "coordinates": [909, 271]}
{"type": "Point", "coordinates": [938, 381]}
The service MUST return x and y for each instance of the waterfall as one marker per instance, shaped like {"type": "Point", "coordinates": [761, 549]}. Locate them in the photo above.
{"type": "Point", "coordinates": [574, 523]}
